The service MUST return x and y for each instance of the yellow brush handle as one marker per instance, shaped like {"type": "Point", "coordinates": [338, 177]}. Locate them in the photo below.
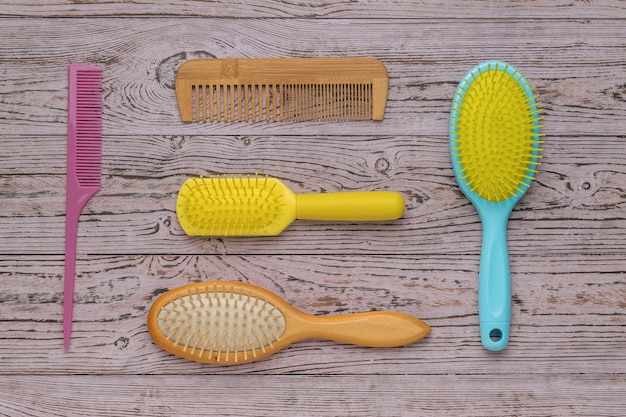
{"type": "Point", "coordinates": [350, 206]}
{"type": "Point", "coordinates": [373, 329]}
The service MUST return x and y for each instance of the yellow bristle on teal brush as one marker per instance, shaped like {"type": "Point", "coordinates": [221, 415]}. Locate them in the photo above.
{"type": "Point", "coordinates": [495, 146]}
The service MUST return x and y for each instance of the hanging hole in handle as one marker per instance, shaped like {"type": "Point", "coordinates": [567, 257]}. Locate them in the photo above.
{"type": "Point", "coordinates": [495, 335]}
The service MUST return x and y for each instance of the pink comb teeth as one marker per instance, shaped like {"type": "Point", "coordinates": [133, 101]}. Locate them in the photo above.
{"type": "Point", "coordinates": [84, 166]}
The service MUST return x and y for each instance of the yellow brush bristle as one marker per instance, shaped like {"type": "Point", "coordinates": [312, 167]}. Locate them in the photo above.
{"type": "Point", "coordinates": [497, 141]}
{"type": "Point", "coordinates": [219, 324]}
{"type": "Point", "coordinates": [235, 205]}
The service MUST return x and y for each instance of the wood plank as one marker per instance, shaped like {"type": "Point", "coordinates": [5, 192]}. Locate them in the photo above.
{"type": "Point", "coordinates": [579, 76]}
{"type": "Point", "coordinates": [399, 9]}
{"type": "Point", "coordinates": [577, 204]}
{"type": "Point", "coordinates": [397, 396]}
{"type": "Point", "coordinates": [571, 309]}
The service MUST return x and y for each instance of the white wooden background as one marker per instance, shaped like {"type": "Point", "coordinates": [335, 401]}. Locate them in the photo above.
{"type": "Point", "coordinates": [567, 237]}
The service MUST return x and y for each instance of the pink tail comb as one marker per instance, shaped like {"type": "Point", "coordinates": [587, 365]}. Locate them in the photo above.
{"type": "Point", "coordinates": [84, 165]}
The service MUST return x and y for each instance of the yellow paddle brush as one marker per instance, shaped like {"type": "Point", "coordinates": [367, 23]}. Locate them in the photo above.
{"type": "Point", "coordinates": [227, 323]}
{"type": "Point", "coordinates": [495, 149]}
{"type": "Point", "coordinates": [264, 206]}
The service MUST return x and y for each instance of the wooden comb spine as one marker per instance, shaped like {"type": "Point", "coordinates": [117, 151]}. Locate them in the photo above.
{"type": "Point", "coordinates": [379, 98]}
{"type": "Point", "coordinates": [184, 104]}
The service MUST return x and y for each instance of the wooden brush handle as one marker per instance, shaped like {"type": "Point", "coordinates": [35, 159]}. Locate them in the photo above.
{"type": "Point", "coordinates": [373, 329]}
{"type": "Point", "coordinates": [350, 206]}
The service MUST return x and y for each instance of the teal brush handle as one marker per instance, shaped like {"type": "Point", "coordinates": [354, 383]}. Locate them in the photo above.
{"type": "Point", "coordinates": [494, 279]}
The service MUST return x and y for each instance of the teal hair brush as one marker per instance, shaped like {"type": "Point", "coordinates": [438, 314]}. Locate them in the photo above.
{"type": "Point", "coordinates": [495, 149]}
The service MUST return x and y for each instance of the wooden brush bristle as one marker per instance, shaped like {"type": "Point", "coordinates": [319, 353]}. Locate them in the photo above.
{"type": "Point", "coordinates": [220, 324]}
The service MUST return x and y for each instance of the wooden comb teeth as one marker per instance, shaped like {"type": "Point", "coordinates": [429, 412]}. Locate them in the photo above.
{"type": "Point", "coordinates": [281, 89]}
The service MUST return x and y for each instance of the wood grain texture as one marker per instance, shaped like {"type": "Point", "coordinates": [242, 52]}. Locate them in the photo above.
{"type": "Point", "coordinates": [579, 189]}
{"type": "Point", "coordinates": [394, 396]}
{"type": "Point", "coordinates": [567, 236]}
{"type": "Point", "coordinates": [399, 9]}
{"type": "Point", "coordinates": [578, 76]}
{"type": "Point", "coordinates": [572, 311]}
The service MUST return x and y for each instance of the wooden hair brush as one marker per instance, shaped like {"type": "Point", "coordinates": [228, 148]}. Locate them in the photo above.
{"type": "Point", "coordinates": [277, 89]}
{"type": "Point", "coordinates": [227, 322]}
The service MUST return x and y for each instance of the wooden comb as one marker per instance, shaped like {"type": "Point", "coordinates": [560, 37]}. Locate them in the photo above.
{"type": "Point", "coordinates": [278, 89]}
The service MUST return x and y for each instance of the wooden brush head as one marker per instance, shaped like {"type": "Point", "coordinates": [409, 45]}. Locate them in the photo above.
{"type": "Point", "coordinates": [278, 89]}
{"type": "Point", "coordinates": [221, 322]}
